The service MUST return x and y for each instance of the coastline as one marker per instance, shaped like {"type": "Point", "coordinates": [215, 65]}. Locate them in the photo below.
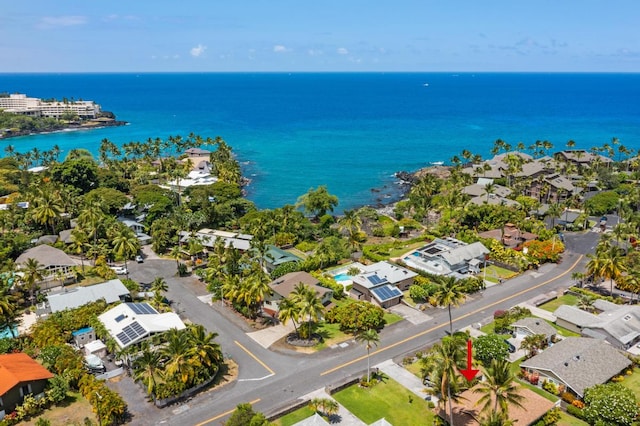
{"type": "Point", "coordinates": [91, 125]}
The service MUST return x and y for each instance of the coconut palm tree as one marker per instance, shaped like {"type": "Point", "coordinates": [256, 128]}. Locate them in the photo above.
{"type": "Point", "coordinates": [499, 388]}
{"type": "Point", "coordinates": [147, 367]}
{"type": "Point", "coordinates": [125, 244]}
{"type": "Point", "coordinates": [91, 218]}
{"type": "Point", "coordinates": [442, 364]}
{"type": "Point", "coordinates": [177, 350]}
{"type": "Point", "coordinates": [8, 313]}
{"type": "Point", "coordinates": [205, 351]}
{"type": "Point", "coordinates": [159, 285]}
{"type": "Point", "coordinates": [79, 242]}
{"type": "Point", "coordinates": [33, 273]}
{"type": "Point", "coordinates": [289, 310]}
{"type": "Point", "coordinates": [449, 293]}
{"type": "Point", "coordinates": [607, 263]}
{"type": "Point", "coordinates": [46, 208]}
{"type": "Point", "coordinates": [494, 418]}
{"type": "Point", "coordinates": [370, 339]}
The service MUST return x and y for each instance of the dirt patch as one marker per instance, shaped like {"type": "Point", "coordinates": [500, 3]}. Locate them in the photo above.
{"type": "Point", "coordinates": [71, 412]}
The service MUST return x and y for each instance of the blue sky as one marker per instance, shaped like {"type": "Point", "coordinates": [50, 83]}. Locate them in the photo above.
{"type": "Point", "coordinates": [319, 35]}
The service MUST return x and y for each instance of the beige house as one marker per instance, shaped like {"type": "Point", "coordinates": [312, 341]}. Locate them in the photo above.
{"type": "Point", "coordinates": [286, 284]}
{"type": "Point", "coordinates": [58, 266]}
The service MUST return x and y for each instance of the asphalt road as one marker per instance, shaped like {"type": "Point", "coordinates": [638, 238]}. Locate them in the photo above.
{"type": "Point", "coordinates": [273, 380]}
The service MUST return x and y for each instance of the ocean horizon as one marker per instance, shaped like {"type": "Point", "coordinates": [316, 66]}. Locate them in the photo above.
{"type": "Point", "coordinates": [349, 131]}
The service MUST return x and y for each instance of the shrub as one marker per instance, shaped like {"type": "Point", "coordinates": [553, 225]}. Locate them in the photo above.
{"type": "Point", "coordinates": [550, 387]}
{"type": "Point", "coordinates": [568, 397]}
{"type": "Point", "coordinates": [357, 316]}
{"type": "Point", "coordinates": [575, 411]}
{"type": "Point", "coordinates": [617, 379]}
{"type": "Point", "coordinates": [578, 403]}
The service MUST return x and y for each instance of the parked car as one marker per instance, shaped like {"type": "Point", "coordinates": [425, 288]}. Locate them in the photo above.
{"type": "Point", "coordinates": [120, 270]}
{"type": "Point", "coordinates": [139, 259]}
{"type": "Point", "coordinates": [512, 349]}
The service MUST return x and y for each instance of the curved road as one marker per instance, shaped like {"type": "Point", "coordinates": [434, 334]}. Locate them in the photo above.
{"type": "Point", "coordinates": [272, 380]}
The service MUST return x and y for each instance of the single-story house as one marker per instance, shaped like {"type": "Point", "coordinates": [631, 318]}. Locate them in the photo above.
{"type": "Point", "coordinates": [531, 326]}
{"type": "Point", "coordinates": [208, 237]}
{"type": "Point", "coordinates": [466, 411]}
{"type": "Point", "coordinates": [83, 336]}
{"type": "Point", "coordinates": [448, 256]}
{"type": "Point", "coordinates": [20, 375]}
{"type": "Point", "coordinates": [617, 324]}
{"type": "Point", "coordinates": [111, 291]}
{"type": "Point", "coordinates": [275, 257]}
{"type": "Point", "coordinates": [493, 200]}
{"type": "Point", "coordinates": [382, 282]}
{"type": "Point", "coordinates": [480, 189]}
{"type": "Point", "coordinates": [138, 228]}
{"type": "Point", "coordinates": [131, 323]}
{"type": "Point", "coordinates": [282, 287]}
{"type": "Point", "coordinates": [56, 263]}
{"type": "Point", "coordinates": [577, 363]}
{"type": "Point", "coordinates": [510, 236]}
{"type": "Point", "coordinates": [315, 420]}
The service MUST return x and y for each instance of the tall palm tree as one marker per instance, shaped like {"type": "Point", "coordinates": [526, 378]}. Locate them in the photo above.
{"type": "Point", "coordinates": [289, 310]}
{"type": "Point", "coordinates": [448, 294]}
{"type": "Point", "coordinates": [442, 364]}
{"type": "Point", "coordinates": [351, 222]}
{"type": "Point", "coordinates": [46, 208]}
{"type": "Point", "coordinates": [159, 285]}
{"type": "Point", "coordinates": [370, 339]}
{"type": "Point", "coordinates": [312, 308]}
{"type": "Point", "coordinates": [177, 350]}
{"type": "Point", "coordinates": [607, 263]}
{"type": "Point", "coordinates": [80, 241]}
{"type": "Point", "coordinates": [125, 244]}
{"type": "Point", "coordinates": [499, 389]}
{"type": "Point", "coordinates": [8, 313]}
{"type": "Point", "coordinates": [91, 217]}
{"type": "Point", "coordinates": [33, 273]}
{"type": "Point", "coordinates": [494, 418]}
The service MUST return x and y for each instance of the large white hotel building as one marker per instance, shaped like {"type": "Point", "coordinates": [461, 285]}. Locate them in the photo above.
{"type": "Point", "coordinates": [36, 107]}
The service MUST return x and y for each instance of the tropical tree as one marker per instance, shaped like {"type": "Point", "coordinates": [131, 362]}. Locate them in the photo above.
{"type": "Point", "coordinates": [318, 201]}
{"type": "Point", "coordinates": [204, 350]}
{"type": "Point", "coordinates": [607, 263]}
{"type": "Point", "coordinates": [8, 312]}
{"type": "Point", "coordinates": [326, 406]}
{"type": "Point", "coordinates": [499, 388]}
{"type": "Point", "coordinates": [159, 285]}
{"type": "Point", "coordinates": [310, 306]}
{"type": "Point", "coordinates": [495, 418]}
{"type": "Point", "coordinates": [370, 339]}
{"type": "Point", "coordinates": [533, 344]}
{"type": "Point", "coordinates": [180, 365]}
{"type": "Point", "coordinates": [33, 273]}
{"type": "Point", "coordinates": [147, 368]}
{"type": "Point", "coordinates": [79, 243]}
{"type": "Point", "coordinates": [449, 293]}
{"type": "Point", "coordinates": [441, 366]}
{"type": "Point", "coordinates": [288, 309]}
{"type": "Point", "coordinates": [125, 244]}
{"type": "Point", "coordinates": [47, 208]}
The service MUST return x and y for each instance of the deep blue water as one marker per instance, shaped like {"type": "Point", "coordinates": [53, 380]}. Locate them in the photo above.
{"type": "Point", "coordinates": [350, 132]}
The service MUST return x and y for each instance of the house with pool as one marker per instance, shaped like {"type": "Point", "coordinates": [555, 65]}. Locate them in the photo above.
{"type": "Point", "coordinates": [448, 257]}
{"type": "Point", "coordinates": [382, 283]}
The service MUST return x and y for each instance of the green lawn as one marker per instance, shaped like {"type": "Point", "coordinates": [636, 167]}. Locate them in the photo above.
{"type": "Point", "coordinates": [563, 331]}
{"type": "Point", "coordinates": [494, 273]}
{"type": "Point", "coordinates": [633, 381]}
{"type": "Point", "coordinates": [414, 368]}
{"type": "Point", "coordinates": [568, 420]}
{"type": "Point", "coordinates": [387, 399]}
{"type": "Point", "coordinates": [391, 318]}
{"type": "Point", "coordinates": [294, 417]}
{"type": "Point", "coordinates": [332, 335]}
{"type": "Point", "coordinates": [565, 299]}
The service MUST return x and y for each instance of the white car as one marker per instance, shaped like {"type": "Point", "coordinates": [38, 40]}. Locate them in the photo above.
{"type": "Point", "coordinates": [120, 270]}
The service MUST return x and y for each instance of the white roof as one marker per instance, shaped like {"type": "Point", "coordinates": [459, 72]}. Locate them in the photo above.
{"type": "Point", "coordinates": [94, 346]}
{"type": "Point", "coordinates": [208, 238]}
{"type": "Point", "coordinates": [392, 273]}
{"type": "Point", "coordinates": [130, 323]}
{"type": "Point", "coordinates": [110, 291]}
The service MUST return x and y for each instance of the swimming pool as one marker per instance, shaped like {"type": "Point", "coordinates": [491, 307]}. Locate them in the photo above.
{"type": "Point", "coordinates": [6, 333]}
{"type": "Point", "coordinates": [342, 277]}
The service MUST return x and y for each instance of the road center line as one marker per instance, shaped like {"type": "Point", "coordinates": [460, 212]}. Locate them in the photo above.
{"type": "Point", "coordinates": [255, 358]}
{"type": "Point", "coordinates": [422, 333]}
{"type": "Point", "coordinates": [226, 413]}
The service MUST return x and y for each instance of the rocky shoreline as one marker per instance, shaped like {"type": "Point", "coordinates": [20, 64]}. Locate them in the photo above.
{"type": "Point", "coordinates": [89, 125]}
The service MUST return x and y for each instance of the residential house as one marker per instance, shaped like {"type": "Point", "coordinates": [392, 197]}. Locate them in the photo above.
{"type": "Point", "coordinates": [58, 266]}
{"type": "Point", "coordinates": [551, 189]}
{"type": "Point", "coordinates": [493, 200]}
{"type": "Point", "coordinates": [20, 375]}
{"type": "Point", "coordinates": [466, 408]}
{"type": "Point", "coordinates": [110, 291]}
{"type": "Point", "coordinates": [510, 236]}
{"type": "Point", "coordinates": [531, 326]}
{"type": "Point", "coordinates": [448, 257]}
{"type": "Point", "coordinates": [480, 189]}
{"type": "Point", "coordinates": [619, 325]}
{"type": "Point", "coordinates": [580, 157]}
{"type": "Point", "coordinates": [577, 363]}
{"type": "Point", "coordinates": [282, 287]}
{"type": "Point", "coordinates": [315, 420]}
{"type": "Point", "coordinates": [131, 323]}
{"type": "Point", "coordinates": [208, 237]}
{"type": "Point", "coordinates": [275, 257]}
{"type": "Point", "coordinates": [138, 228]}
{"type": "Point", "coordinates": [382, 282]}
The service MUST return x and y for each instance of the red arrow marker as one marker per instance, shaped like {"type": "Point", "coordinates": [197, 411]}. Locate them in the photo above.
{"type": "Point", "coordinates": [469, 373]}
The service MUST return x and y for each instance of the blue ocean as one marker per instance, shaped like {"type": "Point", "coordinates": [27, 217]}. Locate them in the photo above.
{"type": "Point", "coordinates": [349, 131]}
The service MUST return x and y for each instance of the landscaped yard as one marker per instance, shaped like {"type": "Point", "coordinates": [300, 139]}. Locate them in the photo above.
{"type": "Point", "coordinates": [488, 329]}
{"type": "Point", "coordinates": [294, 417]}
{"type": "Point", "coordinates": [633, 381]}
{"type": "Point", "coordinates": [568, 420]}
{"type": "Point", "coordinates": [494, 273]}
{"type": "Point", "coordinates": [71, 412]}
{"type": "Point", "coordinates": [565, 299]}
{"type": "Point", "coordinates": [387, 399]}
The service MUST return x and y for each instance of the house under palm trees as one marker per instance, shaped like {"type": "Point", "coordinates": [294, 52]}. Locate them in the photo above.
{"type": "Point", "coordinates": [286, 284]}
{"type": "Point", "coordinates": [466, 410]}
{"type": "Point", "coordinates": [56, 265]}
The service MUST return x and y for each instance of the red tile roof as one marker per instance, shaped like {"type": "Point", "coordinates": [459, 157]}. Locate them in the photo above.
{"type": "Point", "coordinates": [19, 368]}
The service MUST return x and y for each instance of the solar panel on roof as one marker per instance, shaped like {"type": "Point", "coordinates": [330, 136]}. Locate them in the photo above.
{"type": "Point", "coordinates": [386, 292]}
{"type": "Point", "coordinates": [122, 336]}
{"type": "Point", "coordinates": [120, 317]}
{"type": "Point", "coordinates": [375, 280]}
{"type": "Point", "coordinates": [138, 328]}
{"type": "Point", "coordinates": [141, 308]}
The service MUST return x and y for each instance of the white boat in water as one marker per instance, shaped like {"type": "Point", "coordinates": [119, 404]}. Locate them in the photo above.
{"type": "Point", "coordinates": [437, 163]}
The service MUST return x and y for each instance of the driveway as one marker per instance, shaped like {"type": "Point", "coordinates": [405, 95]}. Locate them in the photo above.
{"type": "Point", "coordinates": [412, 315]}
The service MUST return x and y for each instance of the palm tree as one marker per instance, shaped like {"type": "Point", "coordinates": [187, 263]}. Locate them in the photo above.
{"type": "Point", "coordinates": [351, 222]}
{"type": "Point", "coordinates": [79, 243]}
{"type": "Point", "coordinates": [125, 244]}
{"type": "Point", "coordinates": [585, 302]}
{"type": "Point", "coordinates": [441, 365]}
{"type": "Point", "coordinates": [607, 263]}
{"type": "Point", "coordinates": [449, 293]}
{"type": "Point", "coordinates": [177, 350]}
{"type": "Point", "coordinates": [146, 368]}
{"type": "Point", "coordinates": [33, 273]}
{"type": "Point", "coordinates": [91, 218]}
{"type": "Point", "coordinates": [499, 388]}
{"type": "Point", "coordinates": [370, 339]}
{"type": "Point", "coordinates": [159, 285]}
{"type": "Point", "coordinates": [495, 418]}
{"type": "Point", "coordinates": [8, 312]}
{"type": "Point", "coordinates": [310, 307]}
{"type": "Point", "coordinates": [47, 208]}
{"type": "Point", "coordinates": [326, 406]}
{"type": "Point", "coordinates": [289, 310]}
{"type": "Point", "coordinates": [205, 351]}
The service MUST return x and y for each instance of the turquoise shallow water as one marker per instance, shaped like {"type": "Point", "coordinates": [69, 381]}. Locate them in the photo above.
{"type": "Point", "coordinates": [351, 132]}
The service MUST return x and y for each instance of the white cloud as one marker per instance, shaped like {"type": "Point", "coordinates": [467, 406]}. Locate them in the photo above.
{"type": "Point", "coordinates": [198, 50]}
{"type": "Point", "coordinates": [278, 48]}
{"type": "Point", "coordinates": [49, 22]}
{"type": "Point", "coordinates": [342, 51]}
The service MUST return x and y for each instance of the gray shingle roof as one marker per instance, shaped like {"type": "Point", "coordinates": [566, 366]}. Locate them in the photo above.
{"type": "Point", "coordinates": [46, 255]}
{"type": "Point", "coordinates": [575, 316]}
{"type": "Point", "coordinates": [110, 291]}
{"type": "Point", "coordinates": [465, 253]}
{"type": "Point", "coordinates": [536, 326]}
{"type": "Point", "coordinates": [580, 362]}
